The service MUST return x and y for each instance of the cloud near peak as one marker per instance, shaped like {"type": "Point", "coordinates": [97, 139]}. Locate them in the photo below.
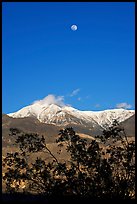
{"type": "Point", "coordinates": [123, 105]}
{"type": "Point", "coordinates": [51, 99]}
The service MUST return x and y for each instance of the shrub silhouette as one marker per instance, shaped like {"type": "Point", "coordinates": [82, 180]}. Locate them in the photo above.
{"type": "Point", "coordinates": [104, 169]}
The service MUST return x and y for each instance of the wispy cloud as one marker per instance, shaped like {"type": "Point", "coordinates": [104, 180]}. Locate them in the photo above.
{"type": "Point", "coordinates": [87, 97]}
{"type": "Point", "coordinates": [79, 98]}
{"type": "Point", "coordinates": [51, 99]}
{"type": "Point", "coordinates": [75, 92]}
{"type": "Point", "coordinates": [97, 105]}
{"type": "Point", "coordinates": [123, 105]}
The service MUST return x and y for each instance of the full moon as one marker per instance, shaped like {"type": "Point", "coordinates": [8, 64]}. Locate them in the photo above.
{"type": "Point", "coordinates": [74, 27]}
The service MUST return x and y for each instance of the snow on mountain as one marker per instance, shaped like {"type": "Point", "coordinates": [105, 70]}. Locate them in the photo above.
{"type": "Point", "coordinates": [106, 117]}
{"type": "Point", "coordinates": [63, 115]}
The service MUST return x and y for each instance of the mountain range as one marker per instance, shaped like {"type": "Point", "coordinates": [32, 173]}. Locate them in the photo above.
{"type": "Point", "coordinates": [66, 115]}
{"type": "Point", "coordinates": [49, 119]}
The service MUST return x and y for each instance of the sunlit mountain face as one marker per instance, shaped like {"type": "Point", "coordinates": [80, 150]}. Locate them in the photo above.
{"type": "Point", "coordinates": [67, 115]}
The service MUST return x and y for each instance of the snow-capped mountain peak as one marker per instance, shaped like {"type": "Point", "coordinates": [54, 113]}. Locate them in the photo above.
{"type": "Point", "coordinates": [63, 115]}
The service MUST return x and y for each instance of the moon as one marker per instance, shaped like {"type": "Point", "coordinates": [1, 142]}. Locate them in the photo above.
{"type": "Point", "coordinates": [74, 27]}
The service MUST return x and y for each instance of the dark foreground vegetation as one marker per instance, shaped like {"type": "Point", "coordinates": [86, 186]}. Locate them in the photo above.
{"type": "Point", "coordinates": [95, 170]}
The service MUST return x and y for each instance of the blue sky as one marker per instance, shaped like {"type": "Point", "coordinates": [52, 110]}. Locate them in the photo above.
{"type": "Point", "coordinates": [92, 68]}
